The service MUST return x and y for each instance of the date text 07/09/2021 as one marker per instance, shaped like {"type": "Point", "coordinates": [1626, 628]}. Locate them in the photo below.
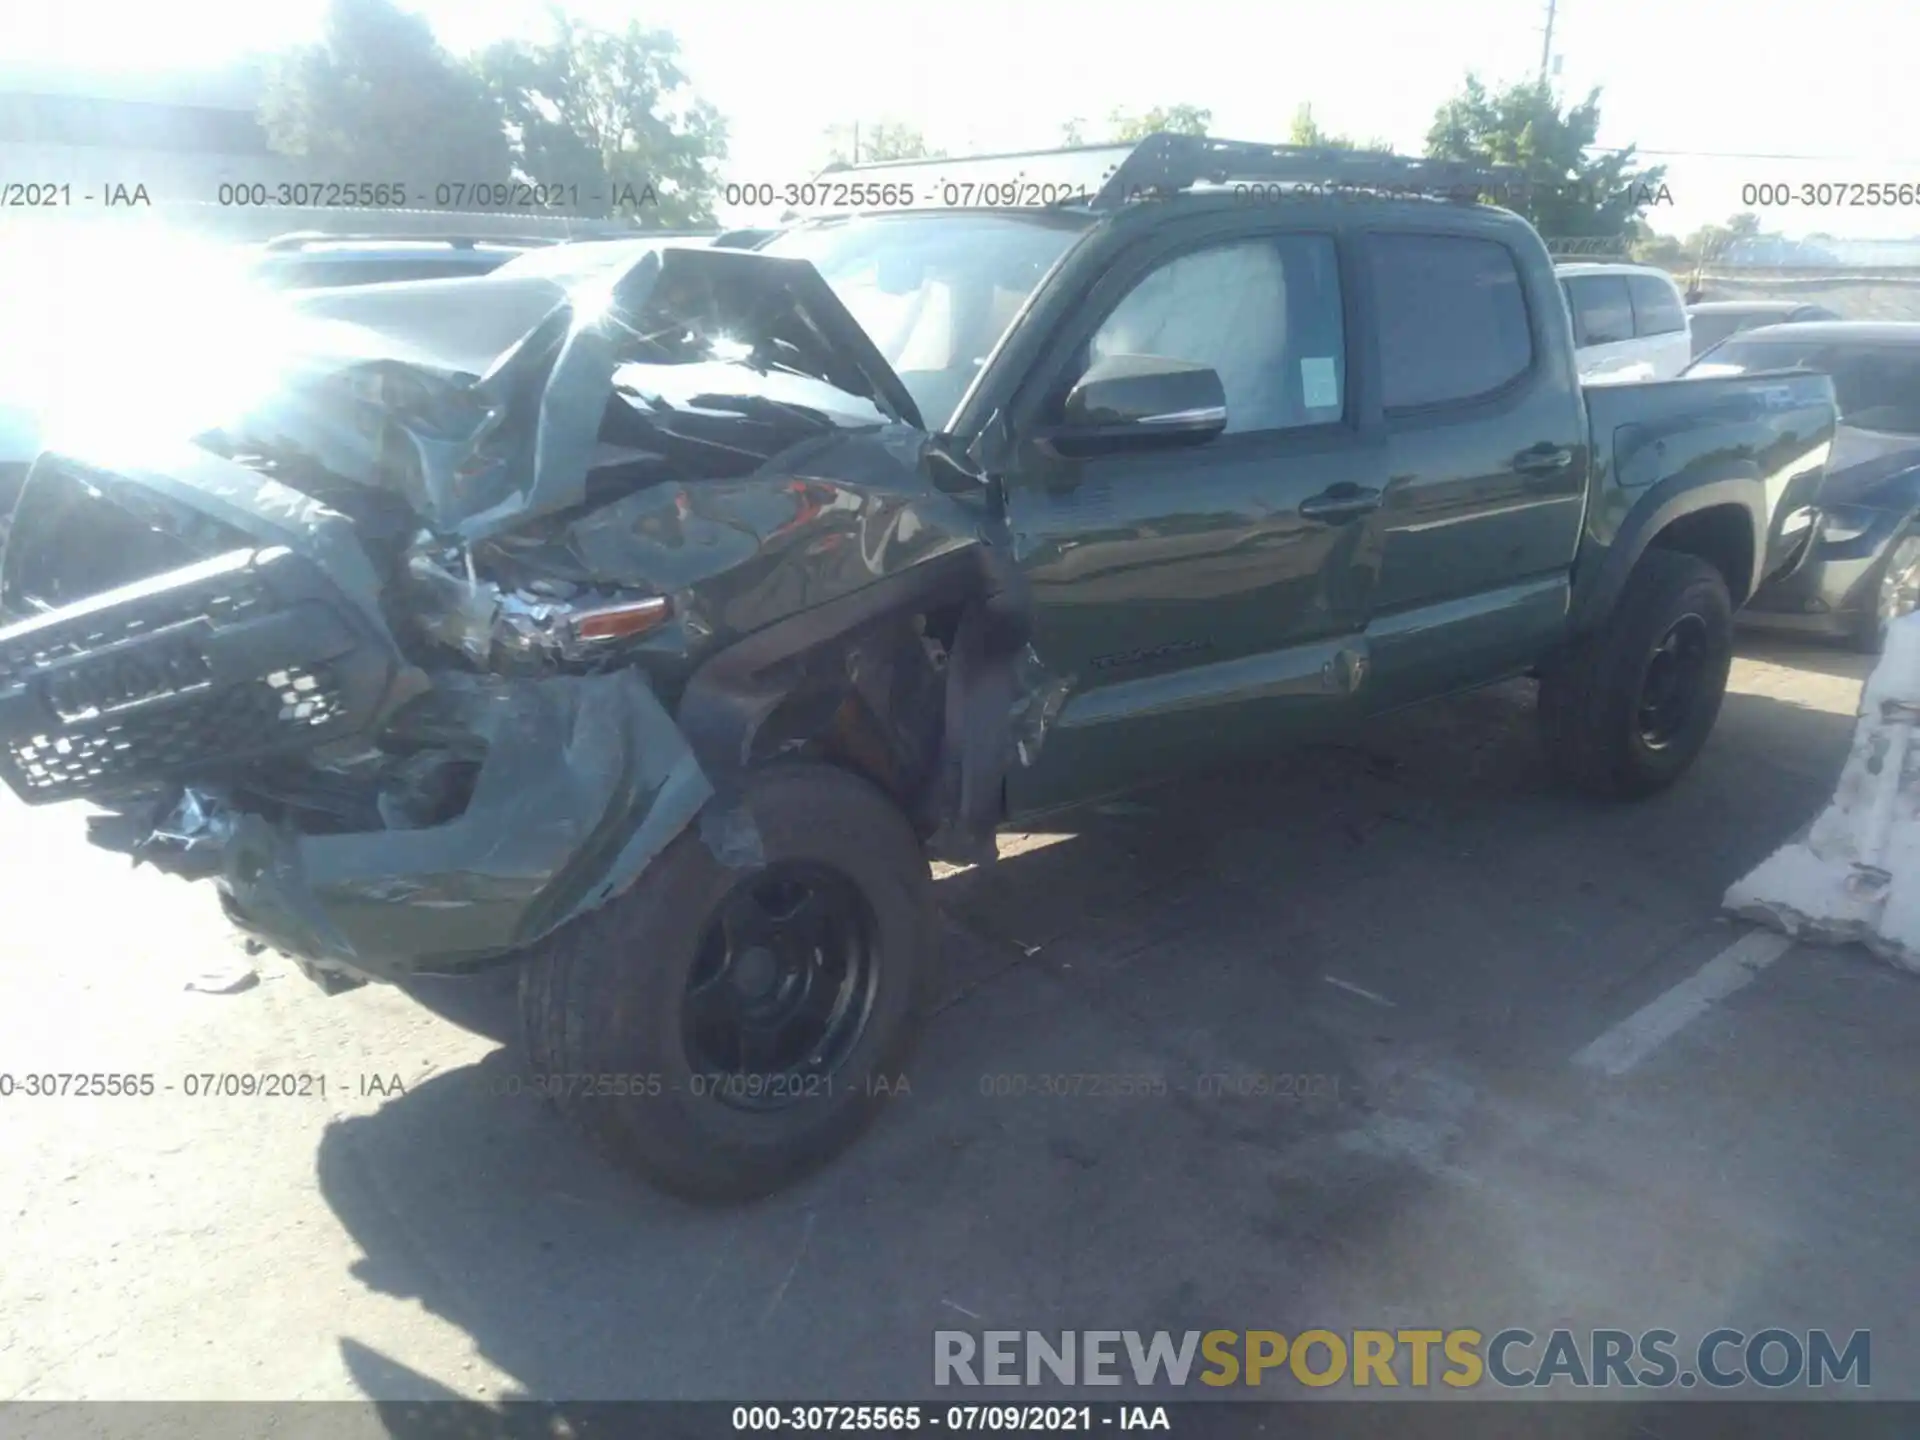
{"type": "Point", "coordinates": [960, 1419]}
{"type": "Point", "coordinates": [196, 1085]}
{"type": "Point", "coordinates": [49, 194]}
{"type": "Point", "coordinates": [515, 196]}
{"type": "Point", "coordinates": [37, 1084]}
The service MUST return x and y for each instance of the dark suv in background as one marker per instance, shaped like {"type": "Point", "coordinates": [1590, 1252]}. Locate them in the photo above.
{"type": "Point", "coordinates": [1716, 320]}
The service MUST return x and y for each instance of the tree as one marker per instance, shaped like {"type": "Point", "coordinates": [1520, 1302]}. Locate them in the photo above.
{"type": "Point", "coordinates": [609, 113]}
{"type": "Point", "coordinates": [1123, 126]}
{"type": "Point", "coordinates": [1175, 119]}
{"type": "Point", "coordinates": [1562, 189]}
{"type": "Point", "coordinates": [1647, 247]}
{"type": "Point", "coordinates": [378, 99]}
{"type": "Point", "coordinates": [1306, 131]}
{"type": "Point", "coordinates": [858, 144]}
{"type": "Point", "coordinates": [1710, 242]}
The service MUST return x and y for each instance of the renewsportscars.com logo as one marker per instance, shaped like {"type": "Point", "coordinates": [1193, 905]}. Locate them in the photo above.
{"type": "Point", "coordinates": [1513, 1358]}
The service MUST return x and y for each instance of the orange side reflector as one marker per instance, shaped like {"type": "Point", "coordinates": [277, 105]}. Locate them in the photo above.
{"type": "Point", "coordinates": [618, 622]}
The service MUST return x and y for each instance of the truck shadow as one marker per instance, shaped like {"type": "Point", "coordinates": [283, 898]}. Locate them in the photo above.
{"type": "Point", "coordinates": [1187, 934]}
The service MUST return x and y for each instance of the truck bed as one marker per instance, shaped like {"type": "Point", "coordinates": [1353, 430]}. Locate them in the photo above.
{"type": "Point", "coordinates": [1765, 437]}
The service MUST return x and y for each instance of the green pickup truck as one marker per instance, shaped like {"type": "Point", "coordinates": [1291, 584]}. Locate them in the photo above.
{"type": "Point", "coordinates": [639, 636]}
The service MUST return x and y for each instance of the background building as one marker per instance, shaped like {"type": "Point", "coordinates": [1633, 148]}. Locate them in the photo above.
{"type": "Point", "coordinates": [180, 135]}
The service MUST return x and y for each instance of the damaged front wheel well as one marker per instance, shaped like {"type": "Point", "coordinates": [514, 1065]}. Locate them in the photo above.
{"type": "Point", "coordinates": [873, 704]}
{"type": "Point", "coordinates": [910, 681]}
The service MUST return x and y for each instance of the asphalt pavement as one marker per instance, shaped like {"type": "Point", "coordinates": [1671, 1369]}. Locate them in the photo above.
{"type": "Point", "coordinates": [1352, 992]}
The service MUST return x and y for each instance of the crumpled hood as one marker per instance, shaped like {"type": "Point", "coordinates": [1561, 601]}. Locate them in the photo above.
{"type": "Point", "coordinates": [482, 400]}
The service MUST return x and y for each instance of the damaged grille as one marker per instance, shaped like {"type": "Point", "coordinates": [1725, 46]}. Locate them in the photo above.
{"type": "Point", "coordinates": [241, 719]}
{"type": "Point", "coordinates": [240, 596]}
{"type": "Point", "coordinates": [249, 655]}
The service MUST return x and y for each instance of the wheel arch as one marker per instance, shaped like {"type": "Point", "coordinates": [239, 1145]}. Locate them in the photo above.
{"type": "Point", "coordinates": [856, 683]}
{"type": "Point", "coordinates": [1722, 520]}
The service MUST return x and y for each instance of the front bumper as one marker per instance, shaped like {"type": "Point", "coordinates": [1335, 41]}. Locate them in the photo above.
{"type": "Point", "coordinates": [585, 780]}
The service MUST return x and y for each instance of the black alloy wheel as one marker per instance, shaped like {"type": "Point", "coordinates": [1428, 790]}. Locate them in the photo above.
{"type": "Point", "coordinates": [1673, 682]}
{"type": "Point", "coordinates": [784, 984]}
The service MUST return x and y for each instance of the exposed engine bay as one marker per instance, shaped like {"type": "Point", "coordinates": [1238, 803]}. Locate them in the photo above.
{"type": "Point", "coordinates": [494, 591]}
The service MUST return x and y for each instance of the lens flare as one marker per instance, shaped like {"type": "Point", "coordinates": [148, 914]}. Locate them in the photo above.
{"type": "Point", "coordinates": [120, 337]}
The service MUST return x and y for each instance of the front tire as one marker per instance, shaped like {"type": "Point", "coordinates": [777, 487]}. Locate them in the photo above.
{"type": "Point", "coordinates": [722, 1032]}
{"type": "Point", "coordinates": [1625, 711]}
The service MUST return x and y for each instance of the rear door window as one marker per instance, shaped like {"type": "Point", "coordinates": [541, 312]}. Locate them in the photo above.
{"type": "Point", "coordinates": [1602, 309]}
{"type": "Point", "coordinates": [1452, 318]}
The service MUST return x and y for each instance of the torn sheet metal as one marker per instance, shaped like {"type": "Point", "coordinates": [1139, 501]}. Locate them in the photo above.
{"type": "Point", "coordinates": [1855, 874]}
{"type": "Point", "coordinates": [210, 502]}
{"type": "Point", "coordinates": [188, 837]}
{"type": "Point", "coordinates": [1040, 697]}
{"type": "Point", "coordinates": [584, 782]}
{"type": "Point", "coordinates": [819, 519]}
{"type": "Point", "coordinates": [482, 404]}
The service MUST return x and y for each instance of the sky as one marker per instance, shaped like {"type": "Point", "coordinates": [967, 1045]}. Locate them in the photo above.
{"type": "Point", "coordinates": [1719, 92]}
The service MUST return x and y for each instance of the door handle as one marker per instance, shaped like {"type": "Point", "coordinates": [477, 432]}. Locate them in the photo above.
{"type": "Point", "coordinates": [1341, 502]}
{"type": "Point", "coordinates": [1543, 460]}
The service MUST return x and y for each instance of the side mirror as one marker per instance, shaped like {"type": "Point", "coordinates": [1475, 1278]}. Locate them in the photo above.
{"type": "Point", "coordinates": [1127, 401]}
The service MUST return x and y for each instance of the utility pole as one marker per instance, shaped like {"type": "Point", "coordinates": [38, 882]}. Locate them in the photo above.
{"type": "Point", "coordinates": [856, 142]}
{"type": "Point", "coordinates": [1546, 44]}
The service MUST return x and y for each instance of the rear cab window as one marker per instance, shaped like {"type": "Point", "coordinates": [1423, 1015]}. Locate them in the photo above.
{"type": "Point", "coordinates": [1451, 316]}
{"type": "Point", "coordinates": [1602, 309]}
{"type": "Point", "coordinates": [1657, 308]}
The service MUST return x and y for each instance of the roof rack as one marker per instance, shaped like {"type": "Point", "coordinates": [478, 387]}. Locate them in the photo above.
{"type": "Point", "coordinates": [1104, 177]}
{"type": "Point", "coordinates": [1164, 162]}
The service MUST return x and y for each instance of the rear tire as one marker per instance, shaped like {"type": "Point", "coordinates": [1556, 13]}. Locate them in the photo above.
{"type": "Point", "coordinates": [605, 1002]}
{"type": "Point", "coordinates": [1625, 710]}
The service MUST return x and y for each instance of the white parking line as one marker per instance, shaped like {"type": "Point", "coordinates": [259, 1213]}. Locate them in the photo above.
{"type": "Point", "coordinates": [1652, 1025]}
{"type": "Point", "coordinates": [1353, 989]}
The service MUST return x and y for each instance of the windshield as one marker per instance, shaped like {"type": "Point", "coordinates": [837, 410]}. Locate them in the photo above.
{"type": "Point", "coordinates": [1877, 386]}
{"type": "Point", "coordinates": [935, 292]}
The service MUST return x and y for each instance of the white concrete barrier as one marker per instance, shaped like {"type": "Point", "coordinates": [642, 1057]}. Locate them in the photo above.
{"type": "Point", "coordinates": [1855, 873]}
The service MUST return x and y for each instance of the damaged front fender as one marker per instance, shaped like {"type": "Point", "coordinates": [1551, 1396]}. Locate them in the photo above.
{"type": "Point", "coordinates": [584, 781]}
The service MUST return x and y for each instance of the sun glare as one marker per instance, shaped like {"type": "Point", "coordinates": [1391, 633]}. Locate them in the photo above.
{"type": "Point", "coordinates": [138, 337]}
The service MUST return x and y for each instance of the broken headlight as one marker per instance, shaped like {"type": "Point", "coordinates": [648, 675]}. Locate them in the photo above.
{"type": "Point", "coordinates": [559, 626]}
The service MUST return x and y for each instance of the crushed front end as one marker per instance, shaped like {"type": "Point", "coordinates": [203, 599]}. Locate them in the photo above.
{"type": "Point", "coordinates": [400, 660]}
{"type": "Point", "coordinates": [248, 716]}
